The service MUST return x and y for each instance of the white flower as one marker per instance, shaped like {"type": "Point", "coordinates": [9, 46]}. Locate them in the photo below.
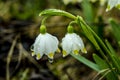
{"type": "Point", "coordinates": [45, 44]}
{"type": "Point", "coordinates": [72, 43]}
{"type": "Point", "coordinates": [113, 3]}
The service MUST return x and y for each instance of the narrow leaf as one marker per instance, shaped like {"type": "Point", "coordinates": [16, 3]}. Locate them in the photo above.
{"type": "Point", "coordinates": [110, 47]}
{"type": "Point", "coordinates": [116, 63]}
{"type": "Point", "coordinates": [116, 29]}
{"type": "Point", "coordinates": [87, 11]}
{"type": "Point", "coordinates": [113, 56]}
{"type": "Point", "coordinates": [86, 62]}
{"type": "Point", "coordinates": [103, 65]}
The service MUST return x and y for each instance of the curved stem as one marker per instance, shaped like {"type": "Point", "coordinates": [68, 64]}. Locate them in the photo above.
{"type": "Point", "coordinates": [56, 12]}
{"type": "Point", "coordinates": [44, 20]}
{"type": "Point", "coordinates": [72, 22]}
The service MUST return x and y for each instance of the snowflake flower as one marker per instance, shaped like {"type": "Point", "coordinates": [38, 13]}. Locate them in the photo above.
{"type": "Point", "coordinates": [46, 44]}
{"type": "Point", "coordinates": [72, 43]}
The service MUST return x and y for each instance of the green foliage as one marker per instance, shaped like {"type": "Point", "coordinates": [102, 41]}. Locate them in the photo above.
{"type": "Point", "coordinates": [106, 60]}
{"type": "Point", "coordinates": [114, 57]}
{"type": "Point", "coordinates": [26, 9]}
{"type": "Point", "coordinates": [86, 62]}
{"type": "Point", "coordinates": [103, 65]}
{"type": "Point", "coordinates": [115, 30]}
{"type": "Point", "coordinates": [87, 11]}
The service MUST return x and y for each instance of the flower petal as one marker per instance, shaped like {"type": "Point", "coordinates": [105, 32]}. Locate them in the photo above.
{"type": "Point", "coordinates": [51, 55]}
{"type": "Point", "coordinates": [72, 43]}
{"type": "Point", "coordinates": [38, 56]}
{"type": "Point", "coordinates": [45, 44]}
{"type": "Point", "coordinates": [39, 45]}
{"type": "Point", "coordinates": [64, 53]}
{"type": "Point", "coordinates": [51, 44]}
{"type": "Point", "coordinates": [67, 43]}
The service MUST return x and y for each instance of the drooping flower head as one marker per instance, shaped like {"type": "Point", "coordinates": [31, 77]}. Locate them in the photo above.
{"type": "Point", "coordinates": [72, 43]}
{"type": "Point", "coordinates": [113, 3]}
{"type": "Point", "coordinates": [45, 43]}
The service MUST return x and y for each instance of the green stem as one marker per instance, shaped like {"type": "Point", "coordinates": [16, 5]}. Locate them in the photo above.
{"type": "Point", "coordinates": [72, 22]}
{"type": "Point", "coordinates": [56, 12]}
{"type": "Point", "coordinates": [44, 20]}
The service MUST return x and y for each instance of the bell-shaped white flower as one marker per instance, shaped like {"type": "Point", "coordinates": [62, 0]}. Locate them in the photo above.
{"type": "Point", "coordinates": [113, 3]}
{"type": "Point", "coordinates": [46, 44]}
{"type": "Point", "coordinates": [72, 43]}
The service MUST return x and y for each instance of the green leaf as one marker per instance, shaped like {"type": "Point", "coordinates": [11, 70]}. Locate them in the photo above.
{"type": "Point", "coordinates": [56, 12]}
{"type": "Point", "coordinates": [86, 62]}
{"type": "Point", "coordinates": [113, 56]}
{"type": "Point", "coordinates": [116, 29]}
{"type": "Point", "coordinates": [87, 11]}
{"type": "Point", "coordinates": [116, 63]}
{"type": "Point", "coordinates": [103, 65]}
{"type": "Point", "coordinates": [87, 32]}
{"type": "Point", "coordinates": [110, 47]}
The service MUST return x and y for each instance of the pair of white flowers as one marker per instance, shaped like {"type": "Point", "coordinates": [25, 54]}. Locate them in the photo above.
{"type": "Point", "coordinates": [47, 44]}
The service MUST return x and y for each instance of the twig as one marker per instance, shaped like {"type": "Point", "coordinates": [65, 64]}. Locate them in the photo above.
{"type": "Point", "coordinates": [9, 57]}
{"type": "Point", "coordinates": [30, 58]}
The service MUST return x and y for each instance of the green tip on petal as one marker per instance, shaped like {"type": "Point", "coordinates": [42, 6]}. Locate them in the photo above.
{"type": "Point", "coordinates": [118, 6]}
{"type": "Point", "coordinates": [76, 52]}
{"type": "Point", "coordinates": [58, 50]}
{"type": "Point", "coordinates": [42, 29]}
{"type": "Point", "coordinates": [33, 54]}
{"type": "Point", "coordinates": [50, 55]}
{"type": "Point", "coordinates": [108, 8]}
{"type": "Point", "coordinates": [38, 56]}
{"type": "Point", "coordinates": [84, 50]}
{"type": "Point", "coordinates": [64, 53]}
{"type": "Point", "coordinates": [70, 29]}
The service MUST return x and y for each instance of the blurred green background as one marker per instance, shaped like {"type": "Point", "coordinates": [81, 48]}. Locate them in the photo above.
{"type": "Point", "coordinates": [19, 26]}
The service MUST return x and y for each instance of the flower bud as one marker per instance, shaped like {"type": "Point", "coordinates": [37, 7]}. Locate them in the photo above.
{"type": "Point", "coordinates": [42, 29]}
